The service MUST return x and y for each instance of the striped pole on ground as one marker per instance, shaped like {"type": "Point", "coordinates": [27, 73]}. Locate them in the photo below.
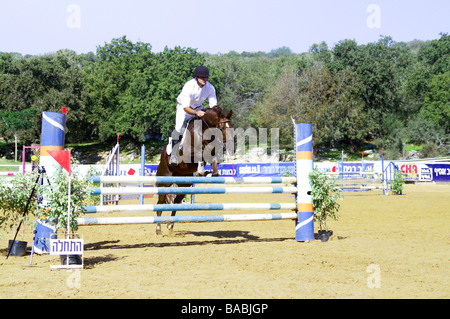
{"type": "Point", "coordinates": [304, 228]}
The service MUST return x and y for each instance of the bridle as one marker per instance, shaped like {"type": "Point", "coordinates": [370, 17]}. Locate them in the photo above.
{"type": "Point", "coordinates": [218, 126]}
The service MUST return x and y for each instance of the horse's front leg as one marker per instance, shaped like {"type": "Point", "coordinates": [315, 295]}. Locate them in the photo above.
{"type": "Point", "coordinates": [214, 167]}
{"type": "Point", "coordinates": [162, 199]}
{"type": "Point", "coordinates": [178, 200]}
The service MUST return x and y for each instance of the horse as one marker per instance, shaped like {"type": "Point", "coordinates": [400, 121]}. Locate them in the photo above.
{"type": "Point", "coordinates": [214, 118]}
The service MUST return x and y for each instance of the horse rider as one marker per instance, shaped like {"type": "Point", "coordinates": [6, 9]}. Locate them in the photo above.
{"type": "Point", "coordinates": [190, 105]}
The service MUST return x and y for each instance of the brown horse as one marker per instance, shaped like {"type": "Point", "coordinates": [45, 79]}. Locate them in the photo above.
{"type": "Point", "coordinates": [214, 118]}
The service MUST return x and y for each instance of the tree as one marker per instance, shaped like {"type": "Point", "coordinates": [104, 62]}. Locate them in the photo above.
{"type": "Point", "coordinates": [280, 103]}
{"type": "Point", "coordinates": [437, 101]}
{"type": "Point", "coordinates": [436, 53]}
{"type": "Point", "coordinates": [329, 101]}
{"type": "Point", "coordinates": [172, 69]}
{"type": "Point", "coordinates": [133, 91]}
{"type": "Point", "coordinates": [32, 85]}
{"type": "Point", "coordinates": [240, 83]}
{"type": "Point", "coordinates": [119, 74]}
{"type": "Point", "coordinates": [379, 67]}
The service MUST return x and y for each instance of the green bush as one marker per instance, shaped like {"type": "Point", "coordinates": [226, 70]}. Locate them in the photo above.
{"type": "Point", "coordinates": [15, 192]}
{"type": "Point", "coordinates": [397, 183]}
{"type": "Point", "coordinates": [325, 196]}
{"type": "Point", "coordinates": [56, 197]}
{"type": "Point", "coordinates": [14, 195]}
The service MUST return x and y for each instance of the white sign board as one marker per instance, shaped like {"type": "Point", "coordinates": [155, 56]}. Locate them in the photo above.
{"type": "Point", "coordinates": [66, 246]}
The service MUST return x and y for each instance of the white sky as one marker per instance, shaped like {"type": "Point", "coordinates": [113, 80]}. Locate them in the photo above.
{"type": "Point", "coordinates": [43, 26]}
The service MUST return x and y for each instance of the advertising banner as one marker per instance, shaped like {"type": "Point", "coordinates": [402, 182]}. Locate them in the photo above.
{"type": "Point", "coordinates": [414, 171]}
{"type": "Point", "coordinates": [440, 172]}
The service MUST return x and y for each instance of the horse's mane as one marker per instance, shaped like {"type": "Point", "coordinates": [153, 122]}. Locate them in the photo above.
{"type": "Point", "coordinates": [218, 110]}
{"type": "Point", "coordinates": [213, 114]}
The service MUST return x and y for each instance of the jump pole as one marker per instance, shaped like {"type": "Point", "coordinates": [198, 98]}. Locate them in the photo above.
{"type": "Point", "coordinates": [192, 180]}
{"type": "Point", "coordinates": [183, 207]}
{"type": "Point", "coordinates": [304, 228]}
{"type": "Point", "coordinates": [184, 219]}
{"type": "Point", "coordinates": [191, 190]}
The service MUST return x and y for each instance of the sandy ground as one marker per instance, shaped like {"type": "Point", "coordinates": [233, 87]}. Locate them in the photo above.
{"type": "Point", "coordinates": [382, 247]}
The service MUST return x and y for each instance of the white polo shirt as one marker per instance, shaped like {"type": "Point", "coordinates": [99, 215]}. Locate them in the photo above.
{"type": "Point", "coordinates": [192, 95]}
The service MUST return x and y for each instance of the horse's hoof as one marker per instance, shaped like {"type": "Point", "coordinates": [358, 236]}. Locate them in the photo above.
{"type": "Point", "coordinates": [158, 230]}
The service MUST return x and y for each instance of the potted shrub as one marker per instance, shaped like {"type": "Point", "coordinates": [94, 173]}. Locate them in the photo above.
{"type": "Point", "coordinates": [17, 205]}
{"type": "Point", "coordinates": [56, 198]}
{"type": "Point", "coordinates": [325, 196]}
{"type": "Point", "coordinates": [397, 182]}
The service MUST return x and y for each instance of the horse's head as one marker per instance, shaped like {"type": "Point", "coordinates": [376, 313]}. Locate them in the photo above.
{"type": "Point", "coordinates": [215, 117]}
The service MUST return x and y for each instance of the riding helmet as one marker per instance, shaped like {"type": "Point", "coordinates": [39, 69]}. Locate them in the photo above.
{"type": "Point", "coordinates": [201, 71]}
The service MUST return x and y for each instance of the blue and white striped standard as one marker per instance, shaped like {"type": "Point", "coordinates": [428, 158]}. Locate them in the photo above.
{"type": "Point", "coordinates": [192, 180]}
{"type": "Point", "coordinates": [183, 219]}
{"type": "Point", "coordinates": [304, 228]}
{"type": "Point", "coordinates": [186, 207]}
{"type": "Point", "coordinates": [191, 190]}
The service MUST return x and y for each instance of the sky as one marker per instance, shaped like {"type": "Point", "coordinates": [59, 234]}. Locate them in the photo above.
{"type": "Point", "coordinates": [44, 26]}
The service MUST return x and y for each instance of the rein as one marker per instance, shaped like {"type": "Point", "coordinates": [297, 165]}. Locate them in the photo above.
{"type": "Point", "coordinates": [217, 126]}
{"type": "Point", "coordinates": [218, 123]}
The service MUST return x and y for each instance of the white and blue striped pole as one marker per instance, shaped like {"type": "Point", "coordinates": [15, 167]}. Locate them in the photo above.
{"type": "Point", "coordinates": [304, 228]}
{"type": "Point", "coordinates": [142, 172]}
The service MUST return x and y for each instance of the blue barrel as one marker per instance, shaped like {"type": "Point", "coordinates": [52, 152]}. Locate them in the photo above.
{"type": "Point", "coordinates": [42, 235]}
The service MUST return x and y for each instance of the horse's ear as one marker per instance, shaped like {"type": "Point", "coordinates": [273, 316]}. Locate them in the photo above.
{"type": "Point", "coordinates": [229, 114]}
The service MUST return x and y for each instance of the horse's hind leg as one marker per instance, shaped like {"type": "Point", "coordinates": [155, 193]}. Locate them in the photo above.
{"type": "Point", "coordinates": [178, 200]}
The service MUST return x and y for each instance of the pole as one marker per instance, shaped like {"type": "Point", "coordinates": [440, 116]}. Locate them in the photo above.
{"type": "Point", "coordinates": [142, 172]}
{"type": "Point", "coordinates": [383, 178]}
{"type": "Point", "coordinates": [68, 209]}
{"type": "Point", "coordinates": [304, 228]}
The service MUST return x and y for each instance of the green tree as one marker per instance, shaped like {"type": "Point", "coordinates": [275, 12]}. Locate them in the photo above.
{"type": "Point", "coordinates": [173, 68]}
{"type": "Point", "coordinates": [32, 85]}
{"type": "Point", "coordinates": [437, 101]}
{"type": "Point", "coordinates": [240, 83]}
{"type": "Point", "coordinates": [119, 72]}
{"type": "Point", "coordinates": [329, 101]}
{"type": "Point", "coordinates": [133, 91]}
{"type": "Point", "coordinates": [379, 66]}
{"type": "Point", "coordinates": [436, 53]}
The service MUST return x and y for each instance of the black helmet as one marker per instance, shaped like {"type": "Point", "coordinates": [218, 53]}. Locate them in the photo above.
{"type": "Point", "coordinates": [201, 71]}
